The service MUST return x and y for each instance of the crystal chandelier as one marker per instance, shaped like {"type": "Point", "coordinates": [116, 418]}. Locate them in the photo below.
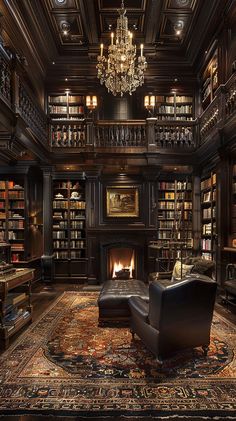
{"type": "Point", "coordinates": [121, 71]}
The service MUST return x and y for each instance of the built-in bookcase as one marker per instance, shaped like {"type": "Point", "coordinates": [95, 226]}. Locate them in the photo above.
{"type": "Point", "coordinates": [67, 127]}
{"type": "Point", "coordinates": [21, 218]}
{"type": "Point", "coordinates": [174, 219]}
{"type": "Point", "coordinates": [210, 80]}
{"type": "Point", "coordinates": [208, 215]}
{"type": "Point", "coordinates": [174, 107]}
{"type": "Point", "coordinates": [69, 228]}
{"type": "Point", "coordinates": [13, 218]}
{"type": "Point", "coordinates": [66, 106]}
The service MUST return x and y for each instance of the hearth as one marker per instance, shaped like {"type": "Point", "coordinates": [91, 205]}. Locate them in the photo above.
{"type": "Point", "coordinates": [122, 259]}
{"type": "Point", "coordinates": [121, 263]}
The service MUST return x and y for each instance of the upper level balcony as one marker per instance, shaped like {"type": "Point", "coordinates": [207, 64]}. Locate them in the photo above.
{"type": "Point", "coordinates": [24, 121]}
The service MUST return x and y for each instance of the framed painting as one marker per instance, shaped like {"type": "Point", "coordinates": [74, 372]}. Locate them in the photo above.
{"type": "Point", "coordinates": [122, 202]}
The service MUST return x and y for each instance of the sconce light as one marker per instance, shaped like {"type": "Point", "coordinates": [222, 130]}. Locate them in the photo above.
{"type": "Point", "coordinates": [149, 103]}
{"type": "Point", "coordinates": [91, 102]}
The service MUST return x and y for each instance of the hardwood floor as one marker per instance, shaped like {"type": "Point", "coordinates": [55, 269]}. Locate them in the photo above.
{"type": "Point", "coordinates": [42, 297]}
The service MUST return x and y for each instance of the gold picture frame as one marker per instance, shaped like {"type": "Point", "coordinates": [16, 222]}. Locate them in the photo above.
{"type": "Point", "coordinates": [122, 202]}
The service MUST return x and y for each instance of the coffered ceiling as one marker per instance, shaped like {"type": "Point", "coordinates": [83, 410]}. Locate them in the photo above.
{"type": "Point", "coordinates": [77, 23]}
{"type": "Point", "coordinates": [66, 33]}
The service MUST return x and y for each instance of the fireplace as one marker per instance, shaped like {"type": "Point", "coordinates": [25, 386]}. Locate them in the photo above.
{"type": "Point", "coordinates": [122, 260]}
{"type": "Point", "coordinates": [121, 263]}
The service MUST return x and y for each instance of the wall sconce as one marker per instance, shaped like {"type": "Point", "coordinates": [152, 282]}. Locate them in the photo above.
{"type": "Point", "coordinates": [91, 102]}
{"type": "Point", "coordinates": [149, 103]}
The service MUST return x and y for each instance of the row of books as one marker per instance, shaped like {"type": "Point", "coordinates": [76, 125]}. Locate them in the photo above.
{"type": "Point", "coordinates": [166, 205]}
{"type": "Point", "coordinates": [211, 181]}
{"type": "Point", "coordinates": [180, 185]}
{"type": "Point", "coordinates": [68, 255]}
{"type": "Point", "coordinates": [206, 244]}
{"type": "Point", "coordinates": [172, 99]}
{"type": "Point", "coordinates": [63, 98]}
{"type": "Point", "coordinates": [209, 213]}
{"type": "Point", "coordinates": [209, 196]}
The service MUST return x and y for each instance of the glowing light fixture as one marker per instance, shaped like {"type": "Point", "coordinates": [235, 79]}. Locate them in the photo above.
{"type": "Point", "coordinates": [121, 71]}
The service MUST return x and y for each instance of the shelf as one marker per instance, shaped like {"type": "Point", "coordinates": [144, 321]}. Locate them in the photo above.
{"type": "Point", "coordinates": [230, 249]}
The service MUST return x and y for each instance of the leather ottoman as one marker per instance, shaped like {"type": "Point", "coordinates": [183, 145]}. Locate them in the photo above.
{"type": "Point", "coordinates": [114, 295]}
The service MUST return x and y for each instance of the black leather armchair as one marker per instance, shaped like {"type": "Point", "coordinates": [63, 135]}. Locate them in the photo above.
{"type": "Point", "coordinates": [178, 315]}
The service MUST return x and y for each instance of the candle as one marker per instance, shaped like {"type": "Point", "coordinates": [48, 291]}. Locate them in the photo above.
{"type": "Point", "coordinates": [141, 48]}
{"type": "Point", "coordinates": [101, 52]}
{"type": "Point", "coordinates": [112, 38]}
{"type": "Point", "coordinates": [131, 37]}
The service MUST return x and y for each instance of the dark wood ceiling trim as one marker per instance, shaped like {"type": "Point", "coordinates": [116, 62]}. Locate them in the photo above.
{"type": "Point", "coordinates": [154, 11]}
{"type": "Point", "coordinates": [12, 6]}
{"type": "Point", "coordinates": [87, 11]}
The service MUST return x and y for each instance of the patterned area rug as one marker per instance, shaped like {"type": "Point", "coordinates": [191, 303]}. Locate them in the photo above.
{"type": "Point", "coordinates": [64, 364]}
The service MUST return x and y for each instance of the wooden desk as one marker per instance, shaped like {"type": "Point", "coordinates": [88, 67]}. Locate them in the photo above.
{"type": "Point", "coordinates": [15, 303]}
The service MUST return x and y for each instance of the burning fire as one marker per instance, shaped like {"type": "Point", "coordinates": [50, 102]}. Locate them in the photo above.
{"type": "Point", "coordinates": [119, 266]}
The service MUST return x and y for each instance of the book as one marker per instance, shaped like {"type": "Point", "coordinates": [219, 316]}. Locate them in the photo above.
{"type": "Point", "coordinates": [15, 298]}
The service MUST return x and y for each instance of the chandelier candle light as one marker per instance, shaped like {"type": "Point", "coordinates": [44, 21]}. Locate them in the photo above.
{"type": "Point", "coordinates": [121, 71]}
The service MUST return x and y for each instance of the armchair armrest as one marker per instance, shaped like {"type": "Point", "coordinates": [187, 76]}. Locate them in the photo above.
{"type": "Point", "coordinates": [139, 308]}
{"type": "Point", "coordinates": [155, 276]}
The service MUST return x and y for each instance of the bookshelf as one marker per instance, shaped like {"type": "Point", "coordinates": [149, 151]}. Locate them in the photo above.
{"type": "Point", "coordinates": [66, 106]}
{"type": "Point", "coordinates": [13, 217]}
{"type": "Point", "coordinates": [174, 219]}
{"type": "Point", "coordinates": [174, 107]}
{"type": "Point", "coordinates": [21, 221]}
{"type": "Point", "coordinates": [210, 80]}
{"type": "Point", "coordinates": [67, 127]}
{"type": "Point", "coordinates": [69, 228]}
{"type": "Point", "coordinates": [208, 216]}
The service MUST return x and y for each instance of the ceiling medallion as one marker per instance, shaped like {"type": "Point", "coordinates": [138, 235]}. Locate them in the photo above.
{"type": "Point", "coordinates": [121, 71]}
{"type": "Point", "coordinates": [183, 2]}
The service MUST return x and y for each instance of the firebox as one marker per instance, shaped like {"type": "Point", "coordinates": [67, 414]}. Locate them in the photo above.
{"type": "Point", "coordinates": [121, 263]}
{"type": "Point", "coordinates": [122, 259]}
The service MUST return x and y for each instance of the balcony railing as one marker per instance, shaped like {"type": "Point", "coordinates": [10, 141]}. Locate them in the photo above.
{"type": "Point", "coordinates": [19, 99]}
{"type": "Point", "coordinates": [32, 113]}
{"type": "Point", "coordinates": [128, 134]}
{"type": "Point", "coordinates": [5, 76]}
{"type": "Point", "coordinates": [174, 135]}
{"type": "Point", "coordinates": [230, 97]}
{"type": "Point", "coordinates": [209, 119]}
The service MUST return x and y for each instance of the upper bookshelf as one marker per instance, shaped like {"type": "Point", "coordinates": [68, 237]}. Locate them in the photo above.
{"type": "Point", "coordinates": [210, 80]}
{"type": "Point", "coordinates": [174, 107]}
{"type": "Point", "coordinates": [208, 215]}
{"type": "Point", "coordinates": [66, 107]}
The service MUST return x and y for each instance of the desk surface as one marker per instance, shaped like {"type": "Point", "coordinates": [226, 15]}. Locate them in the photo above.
{"type": "Point", "coordinates": [18, 274]}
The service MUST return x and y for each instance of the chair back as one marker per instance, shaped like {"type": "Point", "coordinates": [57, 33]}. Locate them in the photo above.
{"type": "Point", "coordinates": [183, 311]}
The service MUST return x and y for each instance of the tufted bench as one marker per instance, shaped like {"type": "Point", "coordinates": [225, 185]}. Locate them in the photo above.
{"type": "Point", "coordinates": [114, 295]}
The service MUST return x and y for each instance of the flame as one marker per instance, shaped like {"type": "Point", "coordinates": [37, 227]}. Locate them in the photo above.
{"type": "Point", "coordinates": [119, 266]}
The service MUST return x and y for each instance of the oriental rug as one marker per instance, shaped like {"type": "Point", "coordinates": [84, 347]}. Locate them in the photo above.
{"type": "Point", "coordinates": [64, 364]}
